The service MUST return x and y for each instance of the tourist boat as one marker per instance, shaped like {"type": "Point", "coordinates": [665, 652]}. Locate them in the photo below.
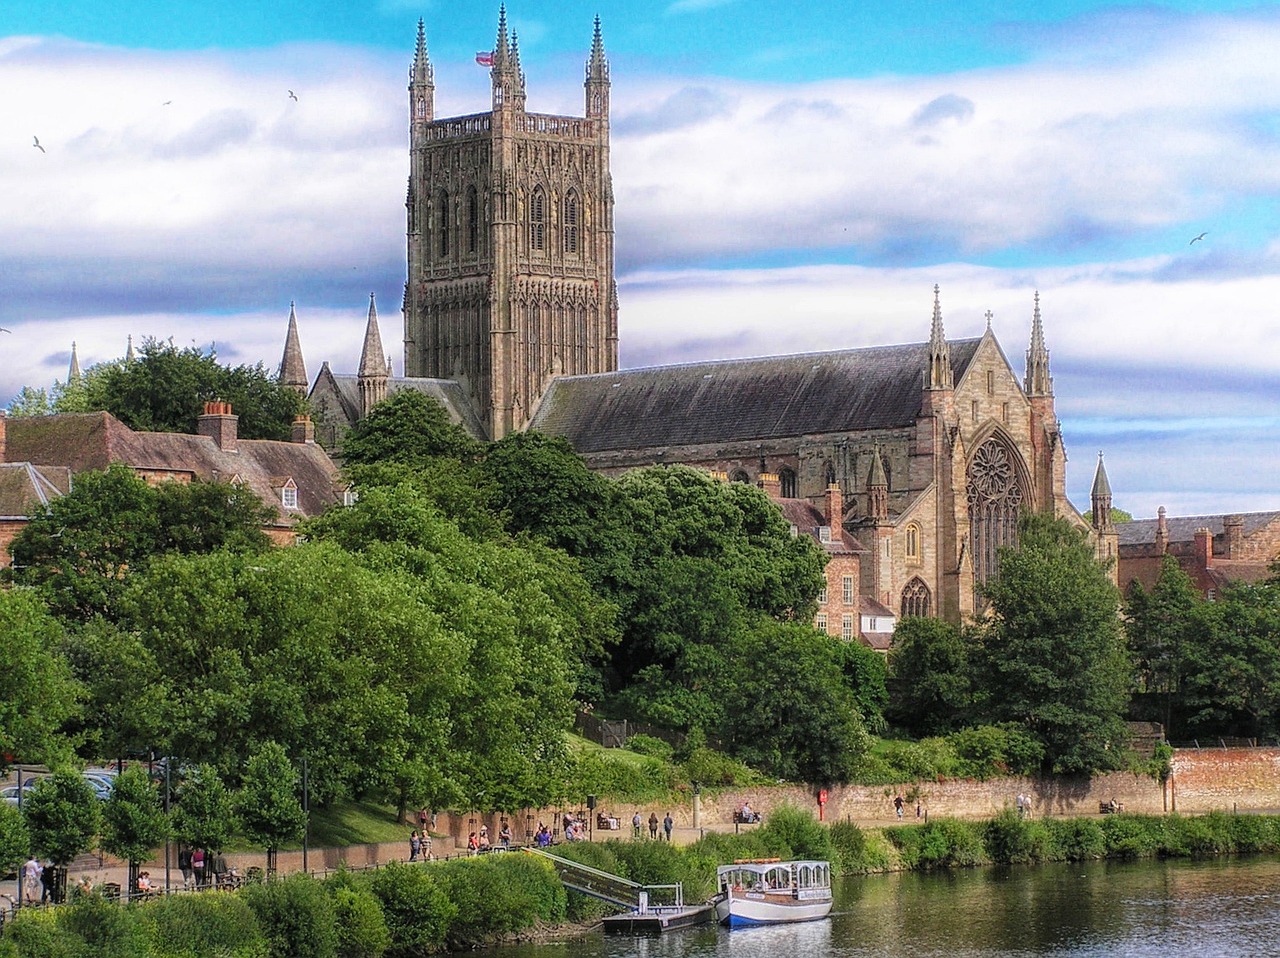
{"type": "Point", "coordinates": [766, 891]}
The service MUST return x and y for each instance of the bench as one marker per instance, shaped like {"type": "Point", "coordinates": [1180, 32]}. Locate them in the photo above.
{"type": "Point", "coordinates": [1106, 808]}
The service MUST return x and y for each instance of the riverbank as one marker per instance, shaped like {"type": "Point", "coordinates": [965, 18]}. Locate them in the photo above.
{"type": "Point", "coordinates": [431, 907]}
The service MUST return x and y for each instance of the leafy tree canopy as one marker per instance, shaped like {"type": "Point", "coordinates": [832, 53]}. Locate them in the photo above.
{"type": "Point", "coordinates": [269, 799]}
{"type": "Point", "coordinates": [205, 816]}
{"type": "Point", "coordinates": [930, 685]}
{"type": "Point", "coordinates": [61, 813]}
{"type": "Point", "coordinates": [37, 691]}
{"type": "Point", "coordinates": [133, 819]}
{"type": "Point", "coordinates": [1052, 657]}
{"type": "Point", "coordinates": [409, 428]}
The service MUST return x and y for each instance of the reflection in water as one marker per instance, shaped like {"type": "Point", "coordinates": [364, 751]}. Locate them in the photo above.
{"type": "Point", "coordinates": [1164, 909]}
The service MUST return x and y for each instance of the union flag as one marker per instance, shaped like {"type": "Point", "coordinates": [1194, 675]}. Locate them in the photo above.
{"type": "Point", "coordinates": [485, 58]}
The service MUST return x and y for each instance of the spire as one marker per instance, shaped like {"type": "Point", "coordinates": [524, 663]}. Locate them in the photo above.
{"type": "Point", "coordinates": [73, 371]}
{"type": "Point", "coordinates": [939, 352]}
{"type": "Point", "coordinates": [129, 355]}
{"type": "Point", "coordinates": [597, 83]}
{"type": "Point", "coordinates": [507, 83]}
{"type": "Point", "coordinates": [1101, 496]}
{"type": "Point", "coordinates": [293, 371]}
{"type": "Point", "coordinates": [519, 92]}
{"type": "Point", "coordinates": [373, 361]}
{"type": "Point", "coordinates": [877, 488]}
{"type": "Point", "coordinates": [1038, 382]}
{"type": "Point", "coordinates": [372, 377]}
{"type": "Point", "coordinates": [422, 86]}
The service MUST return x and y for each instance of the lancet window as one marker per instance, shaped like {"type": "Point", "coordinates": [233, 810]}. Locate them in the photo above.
{"type": "Point", "coordinates": [915, 598]}
{"type": "Point", "coordinates": [995, 503]}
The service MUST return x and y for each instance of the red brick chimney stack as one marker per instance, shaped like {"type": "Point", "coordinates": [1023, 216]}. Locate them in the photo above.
{"type": "Point", "coordinates": [834, 511]}
{"type": "Point", "coordinates": [1204, 548]}
{"type": "Point", "coordinates": [304, 429]}
{"type": "Point", "coordinates": [220, 424]}
{"type": "Point", "coordinates": [771, 485]}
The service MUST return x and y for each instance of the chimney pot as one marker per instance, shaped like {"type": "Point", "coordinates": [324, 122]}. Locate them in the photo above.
{"type": "Point", "coordinates": [303, 429]}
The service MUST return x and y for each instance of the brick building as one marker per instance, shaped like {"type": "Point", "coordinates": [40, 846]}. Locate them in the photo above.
{"type": "Point", "coordinates": [1212, 550]}
{"type": "Point", "coordinates": [295, 479]}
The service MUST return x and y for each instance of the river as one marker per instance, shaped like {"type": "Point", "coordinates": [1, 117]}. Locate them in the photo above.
{"type": "Point", "coordinates": [1164, 909]}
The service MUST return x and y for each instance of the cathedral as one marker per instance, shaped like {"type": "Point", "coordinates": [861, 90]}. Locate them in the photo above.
{"type": "Point", "coordinates": [913, 462]}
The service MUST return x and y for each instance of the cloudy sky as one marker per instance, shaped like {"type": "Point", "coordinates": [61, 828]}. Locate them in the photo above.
{"type": "Point", "coordinates": [789, 177]}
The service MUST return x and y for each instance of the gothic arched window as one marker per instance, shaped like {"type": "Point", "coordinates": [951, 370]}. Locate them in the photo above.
{"type": "Point", "coordinates": [830, 474]}
{"type": "Point", "coordinates": [913, 542]}
{"type": "Point", "coordinates": [473, 219]}
{"type": "Point", "coordinates": [571, 222]}
{"type": "Point", "coordinates": [915, 599]}
{"type": "Point", "coordinates": [538, 219]}
{"type": "Point", "coordinates": [739, 476]}
{"type": "Point", "coordinates": [443, 203]}
{"type": "Point", "coordinates": [787, 480]}
{"type": "Point", "coordinates": [995, 503]}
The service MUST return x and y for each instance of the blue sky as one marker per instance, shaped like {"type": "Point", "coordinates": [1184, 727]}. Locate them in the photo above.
{"type": "Point", "coordinates": [789, 177]}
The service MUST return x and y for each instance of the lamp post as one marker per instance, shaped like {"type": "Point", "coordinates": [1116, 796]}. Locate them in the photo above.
{"type": "Point", "coordinates": [306, 814]}
{"type": "Point", "coordinates": [168, 764]}
{"type": "Point", "coordinates": [697, 805]}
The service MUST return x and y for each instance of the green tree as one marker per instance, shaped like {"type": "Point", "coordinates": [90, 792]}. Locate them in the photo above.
{"type": "Point", "coordinates": [133, 821]}
{"type": "Point", "coordinates": [270, 809]}
{"type": "Point", "coordinates": [788, 708]}
{"type": "Point", "coordinates": [62, 815]}
{"type": "Point", "coordinates": [1231, 685]}
{"type": "Point", "coordinates": [15, 841]}
{"type": "Point", "coordinates": [37, 691]}
{"type": "Point", "coordinates": [929, 684]}
{"type": "Point", "coordinates": [165, 389]}
{"type": "Point", "coordinates": [409, 428]}
{"type": "Point", "coordinates": [1161, 626]}
{"type": "Point", "coordinates": [1052, 657]}
{"type": "Point", "coordinates": [205, 815]}
{"type": "Point", "coordinates": [82, 549]}
{"type": "Point", "coordinates": [31, 401]}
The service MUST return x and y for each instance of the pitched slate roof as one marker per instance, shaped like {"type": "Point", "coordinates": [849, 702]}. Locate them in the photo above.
{"type": "Point", "coordinates": [1183, 528]}
{"type": "Point", "coordinates": [85, 441]}
{"type": "Point", "coordinates": [739, 399]}
{"type": "Point", "coordinates": [808, 519]}
{"type": "Point", "coordinates": [448, 392]}
{"type": "Point", "coordinates": [25, 488]}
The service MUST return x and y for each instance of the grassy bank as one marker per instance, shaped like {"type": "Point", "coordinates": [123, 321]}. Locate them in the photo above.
{"type": "Point", "coordinates": [403, 911]}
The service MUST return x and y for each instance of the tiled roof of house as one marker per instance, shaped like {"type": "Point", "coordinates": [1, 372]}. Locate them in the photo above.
{"type": "Point", "coordinates": [808, 518]}
{"type": "Point", "coordinates": [25, 488]}
{"type": "Point", "coordinates": [739, 399]}
{"type": "Point", "coordinates": [85, 441]}
{"type": "Point", "coordinates": [1183, 528]}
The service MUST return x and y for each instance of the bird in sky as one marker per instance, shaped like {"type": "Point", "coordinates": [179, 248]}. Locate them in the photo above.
{"type": "Point", "coordinates": [35, 141]}
{"type": "Point", "coordinates": [166, 102]}
{"type": "Point", "coordinates": [293, 96]}
{"type": "Point", "coordinates": [1200, 237]}
{"type": "Point", "coordinates": [3, 330]}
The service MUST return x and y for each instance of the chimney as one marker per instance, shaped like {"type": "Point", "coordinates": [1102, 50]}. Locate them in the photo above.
{"type": "Point", "coordinates": [1162, 532]}
{"type": "Point", "coordinates": [304, 429]}
{"type": "Point", "coordinates": [834, 511]}
{"type": "Point", "coordinates": [4, 435]}
{"type": "Point", "coordinates": [1204, 548]}
{"type": "Point", "coordinates": [771, 485]}
{"type": "Point", "coordinates": [219, 424]}
{"type": "Point", "coordinates": [1234, 527]}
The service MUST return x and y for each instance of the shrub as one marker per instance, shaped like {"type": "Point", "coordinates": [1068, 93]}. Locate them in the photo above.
{"type": "Point", "coordinates": [1075, 839]}
{"type": "Point", "coordinates": [296, 917]}
{"type": "Point", "coordinates": [855, 851]}
{"type": "Point", "coordinates": [625, 779]}
{"type": "Point", "coordinates": [716, 769]}
{"type": "Point", "coordinates": [1131, 836]}
{"type": "Point", "coordinates": [36, 933]}
{"type": "Point", "coordinates": [1011, 839]}
{"type": "Point", "coordinates": [943, 843]}
{"type": "Point", "coordinates": [359, 923]}
{"type": "Point", "coordinates": [792, 832]}
{"type": "Point", "coordinates": [498, 894]}
{"type": "Point", "coordinates": [102, 929]}
{"type": "Point", "coordinates": [417, 912]}
{"type": "Point", "coordinates": [990, 750]}
{"type": "Point", "coordinates": [650, 745]}
{"type": "Point", "coordinates": [195, 926]}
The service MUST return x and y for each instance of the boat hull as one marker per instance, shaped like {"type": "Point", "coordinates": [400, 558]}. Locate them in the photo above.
{"type": "Point", "coordinates": [745, 912]}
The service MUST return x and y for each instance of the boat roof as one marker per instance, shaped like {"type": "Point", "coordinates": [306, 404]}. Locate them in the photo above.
{"type": "Point", "coordinates": [766, 864]}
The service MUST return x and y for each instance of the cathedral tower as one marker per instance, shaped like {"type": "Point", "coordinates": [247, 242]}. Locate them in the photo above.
{"type": "Point", "coordinates": [510, 239]}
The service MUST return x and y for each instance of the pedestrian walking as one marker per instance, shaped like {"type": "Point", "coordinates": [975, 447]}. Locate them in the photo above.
{"type": "Point", "coordinates": [653, 824]}
{"type": "Point", "coordinates": [30, 879]}
{"type": "Point", "coordinates": [897, 804]}
{"type": "Point", "coordinates": [184, 866]}
{"type": "Point", "coordinates": [635, 825]}
{"type": "Point", "coordinates": [668, 823]}
{"type": "Point", "coordinates": [415, 845]}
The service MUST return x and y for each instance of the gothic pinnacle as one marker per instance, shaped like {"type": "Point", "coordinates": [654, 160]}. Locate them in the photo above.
{"type": "Point", "coordinates": [373, 360]}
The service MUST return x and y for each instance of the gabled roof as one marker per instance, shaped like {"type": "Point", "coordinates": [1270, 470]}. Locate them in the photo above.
{"type": "Point", "coordinates": [1183, 528]}
{"type": "Point", "coordinates": [448, 392]}
{"type": "Point", "coordinates": [85, 441]}
{"type": "Point", "coordinates": [25, 488]}
{"type": "Point", "coordinates": [743, 399]}
{"type": "Point", "coordinates": [808, 519]}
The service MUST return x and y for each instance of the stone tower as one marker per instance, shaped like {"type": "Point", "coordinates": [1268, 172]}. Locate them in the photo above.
{"type": "Point", "coordinates": [510, 240]}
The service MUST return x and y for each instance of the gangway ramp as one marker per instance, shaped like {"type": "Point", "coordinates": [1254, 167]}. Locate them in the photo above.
{"type": "Point", "coordinates": [647, 908]}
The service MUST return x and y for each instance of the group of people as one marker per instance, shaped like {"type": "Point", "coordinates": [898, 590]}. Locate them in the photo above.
{"type": "Point", "coordinates": [479, 841]}
{"type": "Point", "coordinates": [419, 845]}
{"type": "Point", "coordinates": [668, 823]}
{"type": "Point", "coordinates": [203, 869]}
{"type": "Point", "coordinates": [900, 806]}
{"type": "Point", "coordinates": [1024, 805]}
{"type": "Point", "coordinates": [39, 877]}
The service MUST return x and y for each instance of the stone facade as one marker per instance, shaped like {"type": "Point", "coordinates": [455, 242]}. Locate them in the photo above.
{"type": "Point", "coordinates": [510, 240]}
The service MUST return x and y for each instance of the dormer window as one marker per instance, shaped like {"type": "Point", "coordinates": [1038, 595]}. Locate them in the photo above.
{"type": "Point", "coordinates": [288, 490]}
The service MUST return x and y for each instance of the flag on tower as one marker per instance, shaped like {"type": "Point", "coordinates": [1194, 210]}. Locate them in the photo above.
{"type": "Point", "coordinates": [485, 59]}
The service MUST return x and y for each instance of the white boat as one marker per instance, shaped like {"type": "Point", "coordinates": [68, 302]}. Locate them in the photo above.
{"type": "Point", "coordinates": [766, 891]}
